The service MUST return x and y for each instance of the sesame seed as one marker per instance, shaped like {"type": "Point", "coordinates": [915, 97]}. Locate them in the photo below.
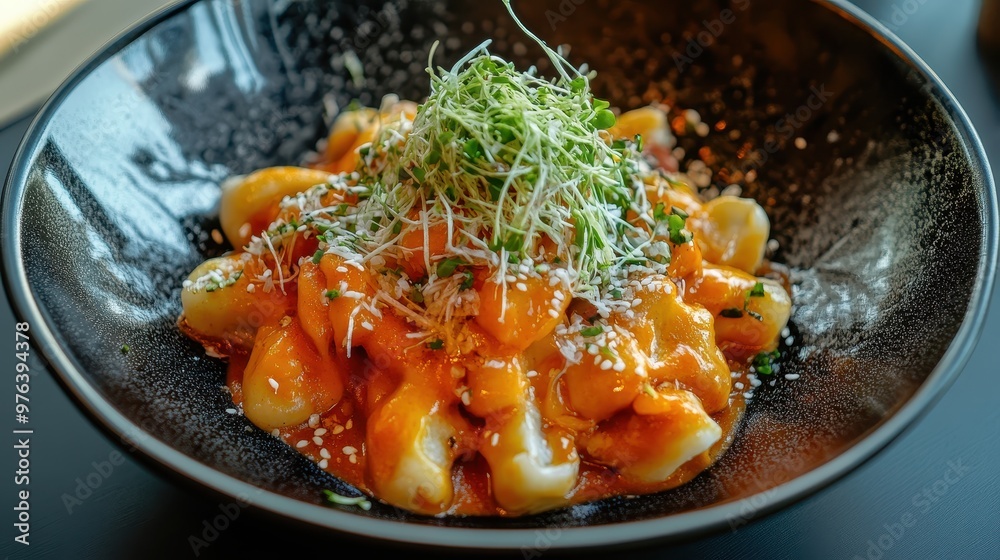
{"type": "Point", "coordinates": [619, 366]}
{"type": "Point", "coordinates": [342, 269]}
{"type": "Point", "coordinates": [748, 395]}
{"type": "Point", "coordinates": [231, 411]}
{"type": "Point", "coordinates": [324, 464]}
{"type": "Point", "coordinates": [314, 421]}
{"type": "Point", "coordinates": [324, 453]}
{"type": "Point", "coordinates": [350, 450]}
{"type": "Point", "coordinates": [597, 360]}
{"type": "Point", "coordinates": [532, 373]}
{"type": "Point", "coordinates": [554, 281]}
{"type": "Point", "coordinates": [466, 398]}
{"type": "Point", "coordinates": [367, 326]}
{"type": "Point", "coordinates": [553, 313]}
{"type": "Point", "coordinates": [302, 443]}
{"type": "Point", "coordinates": [349, 424]}
{"type": "Point", "coordinates": [317, 440]}
{"type": "Point", "coordinates": [273, 384]}
{"type": "Point", "coordinates": [353, 459]}
{"type": "Point", "coordinates": [792, 376]}
{"type": "Point", "coordinates": [592, 349]}
{"type": "Point", "coordinates": [606, 365]}
{"type": "Point", "coordinates": [251, 288]}
{"type": "Point", "coordinates": [276, 433]}
{"type": "Point", "coordinates": [337, 429]}
{"type": "Point", "coordinates": [495, 439]}
{"type": "Point", "coordinates": [521, 286]}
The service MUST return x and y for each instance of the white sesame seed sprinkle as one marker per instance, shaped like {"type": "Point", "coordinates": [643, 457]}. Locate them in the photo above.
{"type": "Point", "coordinates": [792, 376]}
{"type": "Point", "coordinates": [314, 421]}
{"type": "Point", "coordinates": [324, 453]}
{"type": "Point", "coordinates": [495, 439]}
{"type": "Point", "coordinates": [606, 365]}
{"type": "Point", "coordinates": [317, 440]}
{"type": "Point", "coordinates": [337, 429]}
{"type": "Point", "coordinates": [324, 464]}
{"type": "Point", "coordinates": [350, 450]}
{"type": "Point", "coordinates": [352, 458]}
{"type": "Point", "coordinates": [302, 443]}
{"type": "Point", "coordinates": [273, 384]}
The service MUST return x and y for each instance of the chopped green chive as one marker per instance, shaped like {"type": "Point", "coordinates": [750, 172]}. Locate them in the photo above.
{"type": "Point", "coordinates": [436, 344]}
{"type": "Point", "coordinates": [416, 294]}
{"type": "Point", "coordinates": [447, 267]}
{"type": "Point", "coordinates": [318, 256]}
{"type": "Point", "coordinates": [332, 294]}
{"type": "Point", "coordinates": [337, 499]}
{"type": "Point", "coordinates": [764, 363]}
{"type": "Point", "coordinates": [592, 331]}
{"type": "Point", "coordinates": [469, 279]}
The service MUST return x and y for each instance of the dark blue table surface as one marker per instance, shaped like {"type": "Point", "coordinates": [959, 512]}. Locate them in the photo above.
{"type": "Point", "coordinates": [933, 493]}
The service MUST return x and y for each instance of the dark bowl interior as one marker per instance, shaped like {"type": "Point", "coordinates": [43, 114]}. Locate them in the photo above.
{"type": "Point", "coordinates": [886, 216]}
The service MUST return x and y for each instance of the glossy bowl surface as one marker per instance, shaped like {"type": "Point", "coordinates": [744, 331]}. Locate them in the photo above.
{"type": "Point", "coordinates": [885, 210]}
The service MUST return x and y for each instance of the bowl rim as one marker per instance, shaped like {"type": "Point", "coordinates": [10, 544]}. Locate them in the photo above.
{"type": "Point", "coordinates": [674, 527]}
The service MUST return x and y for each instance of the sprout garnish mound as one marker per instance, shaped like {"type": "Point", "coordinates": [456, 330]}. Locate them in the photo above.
{"type": "Point", "coordinates": [517, 170]}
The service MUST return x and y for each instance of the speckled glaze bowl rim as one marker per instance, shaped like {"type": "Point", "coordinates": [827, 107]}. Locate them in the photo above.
{"type": "Point", "coordinates": [671, 527]}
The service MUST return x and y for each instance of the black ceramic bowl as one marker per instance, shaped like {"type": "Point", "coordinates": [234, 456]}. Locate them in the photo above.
{"type": "Point", "coordinates": [886, 215]}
